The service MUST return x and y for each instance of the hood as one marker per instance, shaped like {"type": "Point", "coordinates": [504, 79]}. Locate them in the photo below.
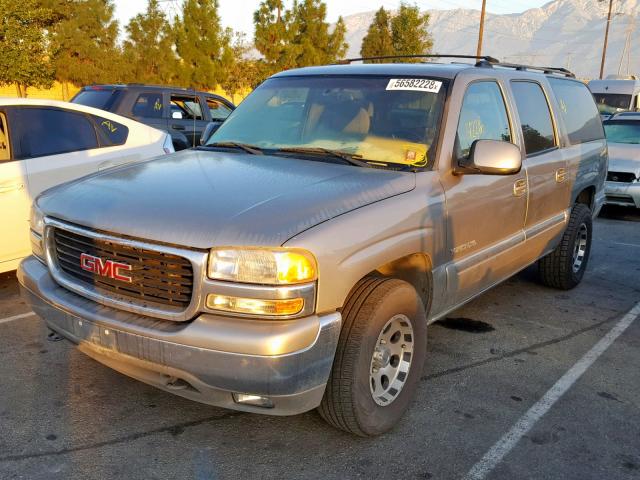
{"type": "Point", "coordinates": [624, 157]}
{"type": "Point", "coordinates": [201, 199]}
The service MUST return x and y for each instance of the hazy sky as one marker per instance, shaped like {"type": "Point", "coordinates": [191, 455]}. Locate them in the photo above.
{"type": "Point", "coordinates": [238, 14]}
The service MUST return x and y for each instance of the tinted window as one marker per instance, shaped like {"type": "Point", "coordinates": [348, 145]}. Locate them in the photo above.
{"type": "Point", "coordinates": [533, 109]}
{"type": "Point", "coordinates": [219, 111]}
{"type": "Point", "coordinates": [185, 107]}
{"type": "Point", "coordinates": [609, 103]}
{"type": "Point", "coordinates": [483, 117]}
{"type": "Point", "coordinates": [110, 133]}
{"type": "Point", "coordinates": [102, 99]}
{"type": "Point", "coordinates": [624, 131]}
{"type": "Point", "coordinates": [578, 109]}
{"type": "Point", "coordinates": [148, 105]}
{"type": "Point", "coordinates": [49, 131]}
{"type": "Point", "coordinates": [5, 148]}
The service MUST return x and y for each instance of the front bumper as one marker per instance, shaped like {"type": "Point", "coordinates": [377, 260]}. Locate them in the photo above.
{"type": "Point", "coordinates": [625, 194]}
{"type": "Point", "coordinates": [206, 359]}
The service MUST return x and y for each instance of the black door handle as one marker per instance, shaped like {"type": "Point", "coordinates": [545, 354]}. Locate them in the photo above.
{"type": "Point", "coordinates": [177, 127]}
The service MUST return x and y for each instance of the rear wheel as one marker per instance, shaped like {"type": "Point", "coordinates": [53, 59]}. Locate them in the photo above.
{"type": "Point", "coordinates": [379, 358]}
{"type": "Point", "coordinates": [565, 266]}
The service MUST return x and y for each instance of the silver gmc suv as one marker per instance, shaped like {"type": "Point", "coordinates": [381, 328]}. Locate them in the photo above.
{"type": "Point", "coordinates": [295, 259]}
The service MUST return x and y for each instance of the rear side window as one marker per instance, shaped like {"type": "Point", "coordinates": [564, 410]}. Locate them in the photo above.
{"type": "Point", "coordinates": [219, 111]}
{"type": "Point", "coordinates": [50, 131]}
{"type": "Point", "coordinates": [483, 117]}
{"type": "Point", "coordinates": [533, 109]}
{"type": "Point", "coordinates": [185, 108]}
{"type": "Point", "coordinates": [5, 147]}
{"type": "Point", "coordinates": [102, 99]}
{"type": "Point", "coordinates": [578, 109]}
{"type": "Point", "coordinates": [148, 105]}
{"type": "Point", "coordinates": [110, 133]}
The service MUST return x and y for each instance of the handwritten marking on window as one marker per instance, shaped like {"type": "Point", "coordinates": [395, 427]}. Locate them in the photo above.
{"type": "Point", "coordinates": [109, 126]}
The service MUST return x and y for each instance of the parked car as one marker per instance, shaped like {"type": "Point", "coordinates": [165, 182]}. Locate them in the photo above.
{"type": "Point", "coordinates": [296, 259]}
{"type": "Point", "coordinates": [616, 94]}
{"type": "Point", "coordinates": [623, 179]}
{"type": "Point", "coordinates": [185, 114]}
{"type": "Point", "coordinates": [44, 143]}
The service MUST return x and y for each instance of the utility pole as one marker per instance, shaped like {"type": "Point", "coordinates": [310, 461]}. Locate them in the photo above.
{"type": "Point", "coordinates": [606, 39]}
{"type": "Point", "coordinates": [481, 32]}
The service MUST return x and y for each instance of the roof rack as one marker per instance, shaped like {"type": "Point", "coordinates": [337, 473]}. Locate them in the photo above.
{"type": "Point", "coordinates": [482, 61]}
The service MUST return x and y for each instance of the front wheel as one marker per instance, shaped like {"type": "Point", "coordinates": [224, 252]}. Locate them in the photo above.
{"type": "Point", "coordinates": [379, 358]}
{"type": "Point", "coordinates": [565, 266]}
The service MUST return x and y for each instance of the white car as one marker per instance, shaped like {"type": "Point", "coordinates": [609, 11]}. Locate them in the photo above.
{"type": "Point", "coordinates": [44, 143]}
{"type": "Point", "coordinates": [623, 176]}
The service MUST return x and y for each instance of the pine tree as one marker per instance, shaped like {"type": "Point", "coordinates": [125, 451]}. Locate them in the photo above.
{"type": "Point", "coordinates": [378, 41]}
{"type": "Point", "coordinates": [85, 42]}
{"type": "Point", "coordinates": [203, 46]}
{"type": "Point", "coordinates": [148, 50]}
{"type": "Point", "coordinates": [409, 32]}
{"type": "Point", "coordinates": [25, 57]}
{"type": "Point", "coordinates": [273, 36]}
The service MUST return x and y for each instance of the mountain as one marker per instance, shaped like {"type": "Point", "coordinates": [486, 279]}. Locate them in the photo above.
{"type": "Point", "coordinates": [562, 33]}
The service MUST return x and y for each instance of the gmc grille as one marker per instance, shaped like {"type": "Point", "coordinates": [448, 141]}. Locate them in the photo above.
{"type": "Point", "coordinates": [157, 277]}
{"type": "Point", "coordinates": [624, 177]}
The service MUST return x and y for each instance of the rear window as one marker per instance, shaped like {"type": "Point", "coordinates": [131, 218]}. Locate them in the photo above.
{"type": "Point", "coordinates": [533, 109]}
{"type": "Point", "coordinates": [609, 103]}
{"type": "Point", "coordinates": [579, 111]}
{"type": "Point", "coordinates": [102, 99]}
{"type": "Point", "coordinates": [110, 133]}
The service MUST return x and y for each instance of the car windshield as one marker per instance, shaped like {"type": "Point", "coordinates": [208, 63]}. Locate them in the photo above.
{"type": "Point", "coordinates": [609, 103]}
{"type": "Point", "coordinates": [623, 131]}
{"type": "Point", "coordinates": [384, 121]}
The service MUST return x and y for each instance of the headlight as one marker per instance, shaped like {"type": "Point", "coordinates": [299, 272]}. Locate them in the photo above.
{"type": "Point", "coordinates": [267, 266]}
{"type": "Point", "coordinates": [36, 220]}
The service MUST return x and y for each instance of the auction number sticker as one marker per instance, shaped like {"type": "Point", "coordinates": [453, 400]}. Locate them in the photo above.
{"type": "Point", "coordinates": [414, 84]}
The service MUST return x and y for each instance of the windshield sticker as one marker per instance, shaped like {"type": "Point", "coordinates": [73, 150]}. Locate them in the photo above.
{"type": "Point", "coordinates": [414, 84]}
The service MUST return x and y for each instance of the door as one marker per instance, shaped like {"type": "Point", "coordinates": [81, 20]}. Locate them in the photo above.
{"type": "Point", "coordinates": [546, 169]}
{"type": "Point", "coordinates": [485, 213]}
{"type": "Point", "coordinates": [149, 108]}
{"type": "Point", "coordinates": [14, 202]}
{"type": "Point", "coordinates": [187, 117]}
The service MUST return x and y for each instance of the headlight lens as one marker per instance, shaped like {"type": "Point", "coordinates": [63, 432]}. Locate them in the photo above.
{"type": "Point", "coordinates": [270, 266]}
{"type": "Point", "coordinates": [36, 220]}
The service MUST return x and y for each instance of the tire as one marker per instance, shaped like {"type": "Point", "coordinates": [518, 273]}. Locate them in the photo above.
{"type": "Point", "coordinates": [348, 403]}
{"type": "Point", "coordinates": [565, 266]}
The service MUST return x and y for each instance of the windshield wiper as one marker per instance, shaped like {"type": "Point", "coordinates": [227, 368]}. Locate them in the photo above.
{"type": "Point", "coordinates": [252, 149]}
{"type": "Point", "coordinates": [346, 157]}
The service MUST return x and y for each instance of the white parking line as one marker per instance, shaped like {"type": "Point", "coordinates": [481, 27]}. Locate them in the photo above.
{"type": "Point", "coordinates": [491, 459]}
{"type": "Point", "coordinates": [16, 317]}
{"type": "Point", "coordinates": [626, 244]}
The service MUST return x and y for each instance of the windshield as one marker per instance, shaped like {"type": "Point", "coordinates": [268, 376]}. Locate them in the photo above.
{"type": "Point", "coordinates": [609, 103]}
{"type": "Point", "coordinates": [382, 120]}
{"type": "Point", "coordinates": [625, 131]}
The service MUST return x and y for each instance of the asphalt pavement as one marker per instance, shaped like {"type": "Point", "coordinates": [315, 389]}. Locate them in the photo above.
{"type": "Point", "coordinates": [507, 362]}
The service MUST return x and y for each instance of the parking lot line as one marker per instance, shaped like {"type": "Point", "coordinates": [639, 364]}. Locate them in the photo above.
{"type": "Point", "coordinates": [493, 457]}
{"type": "Point", "coordinates": [16, 317]}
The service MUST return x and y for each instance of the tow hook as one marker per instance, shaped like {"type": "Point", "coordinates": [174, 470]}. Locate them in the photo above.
{"type": "Point", "coordinates": [175, 383]}
{"type": "Point", "coordinates": [54, 336]}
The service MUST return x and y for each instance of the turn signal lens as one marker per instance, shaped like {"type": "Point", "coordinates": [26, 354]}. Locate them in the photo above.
{"type": "Point", "coordinates": [254, 306]}
{"type": "Point", "coordinates": [273, 266]}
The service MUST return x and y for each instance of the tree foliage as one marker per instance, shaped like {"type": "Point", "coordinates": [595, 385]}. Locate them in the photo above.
{"type": "Point", "coordinates": [25, 54]}
{"type": "Point", "coordinates": [203, 46]}
{"type": "Point", "coordinates": [297, 37]}
{"type": "Point", "coordinates": [405, 33]}
{"type": "Point", "coordinates": [148, 49]}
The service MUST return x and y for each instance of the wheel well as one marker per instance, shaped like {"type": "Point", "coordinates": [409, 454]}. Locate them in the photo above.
{"type": "Point", "coordinates": [586, 197]}
{"type": "Point", "coordinates": [414, 269]}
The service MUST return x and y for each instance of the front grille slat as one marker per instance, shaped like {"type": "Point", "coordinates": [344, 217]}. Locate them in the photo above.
{"type": "Point", "coordinates": [157, 277]}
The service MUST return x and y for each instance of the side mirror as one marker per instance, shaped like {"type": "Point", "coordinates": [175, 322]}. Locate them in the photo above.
{"type": "Point", "coordinates": [208, 131]}
{"type": "Point", "coordinates": [491, 157]}
{"type": "Point", "coordinates": [176, 115]}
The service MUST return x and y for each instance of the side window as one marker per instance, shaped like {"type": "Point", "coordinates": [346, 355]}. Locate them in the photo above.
{"type": "Point", "coordinates": [110, 133]}
{"type": "Point", "coordinates": [578, 109]}
{"type": "Point", "coordinates": [148, 105]}
{"type": "Point", "coordinates": [535, 116]}
{"type": "Point", "coordinates": [483, 117]}
{"type": "Point", "coordinates": [5, 146]}
{"type": "Point", "coordinates": [185, 107]}
{"type": "Point", "coordinates": [219, 111]}
{"type": "Point", "coordinates": [49, 131]}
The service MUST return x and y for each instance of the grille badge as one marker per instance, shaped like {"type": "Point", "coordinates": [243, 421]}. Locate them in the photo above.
{"type": "Point", "coordinates": [105, 267]}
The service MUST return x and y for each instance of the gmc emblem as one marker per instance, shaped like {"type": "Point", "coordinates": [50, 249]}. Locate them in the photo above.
{"type": "Point", "coordinates": [105, 268]}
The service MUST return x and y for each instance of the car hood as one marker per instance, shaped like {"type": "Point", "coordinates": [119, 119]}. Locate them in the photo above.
{"type": "Point", "coordinates": [624, 157]}
{"type": "Point", "coordinates": [201, 199]}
